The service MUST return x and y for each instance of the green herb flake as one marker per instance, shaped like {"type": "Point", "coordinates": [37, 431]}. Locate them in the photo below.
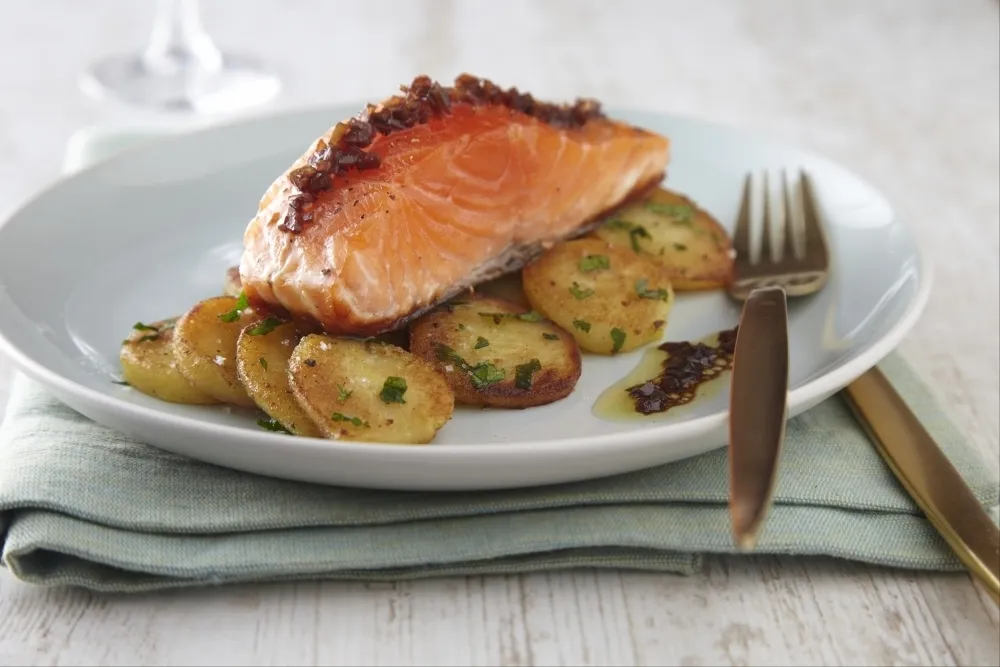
{"type": "Point", "coordinates": [264, 327]}
{"type": "Point", "coordinates": [357, 421]}
{"type": "Point", "coordinates": [582, 325]}
{"type": "Point", "coordinates": [548, 336]}
{"type": "Point", "coordinates": [530, 316]}
{"type": "Point", "coordinates": [242, 302]}
{"type": "Point", "coordinates": [681, 212]}
{"type": "Point", "coordinates": [642, 289]}
{"type": "Point", "coordinates": [484, 374]}
{"type": "Point", "coordinates": [462, 327]}
{"type": "Point", "coordinates": [481, 343]}
{"type": "Point", "coordinates": [343, 394]}
{"type": "Point", "coordinates": [139, 326]}
{"type": "Point", "coordinates": [680, 247]}
{"type": "Point", "coordinates": [637, 232]}
{"type": "Point", "coordinates": [393, 390]}
{"type": "Point", "coordinates": [148, 337]}
{"type": "Point", "coordinates": [618, 223]}
{"type": "Point", "coordinates": [263, 363]}
{"type": "Point", "coordinates": [578, 292]}
{"type": "Point", "coordinates": [523, 373]}
{"type": "Point", "coordinates": [272, 425]}
{"type": "Point", "coordinates": [595, 263]}
{"type": "Point", "coordinates": [618, 337]}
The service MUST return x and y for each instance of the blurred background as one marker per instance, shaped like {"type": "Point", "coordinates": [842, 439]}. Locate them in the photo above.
{"type": "Point", "coordinates": [905, 92]}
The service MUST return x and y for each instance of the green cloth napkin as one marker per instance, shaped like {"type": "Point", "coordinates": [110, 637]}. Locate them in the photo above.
{"type": "Point", "coordinates": [83, 505]}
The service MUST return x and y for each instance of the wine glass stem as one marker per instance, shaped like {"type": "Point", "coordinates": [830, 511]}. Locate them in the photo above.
{"type": "Point", "coordinates": [178, 40]}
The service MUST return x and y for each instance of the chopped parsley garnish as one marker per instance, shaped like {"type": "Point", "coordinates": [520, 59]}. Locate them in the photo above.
{"type": "Point", "coordinates": [482, 374]}
{"type": "Point", "coordinates": [618, 337]}
{"type": "Point", "coordinates": [595, 263]}
{"type": "Point", "coordinates": [343, 394]}
{"type": "Point", "coordinates": [263, 363]}
{"type": "Point", "coordinates": [265, 327]}
{"type": "Point", "coordinates": [637, 232]}
{"type": "Point", "coordinates": [393, 390]}
{"type": "Point", "coordinates": [582, 325]}
{"type": "Point", "coordinates": [642, 289]}
{"type": "Point", "coordinates": [139, 326]}
{"type": "Point", "coordinates": [241, 304]}
{"type": "Point", "coordinates": [481, 343]}
{"type": "Point", "coordinates": [462, 327]}
{"type": "Point", "coordinates": [680, 247]}
{"type": "Point", "coordinates": [548, 336]}
{"type": "Point", "coordinates": [272, 425]}
{"type": "Point", "coordinates": [148, 337]}
{"type": "Point", "coordinates": [682, 212]}
{"type": "Point", "coordinates": [357, 421]}
{"type": "Point", "coordinates": [618, 223]}
{"type": "Point", "coordinates": [530, 316]}
{"type": "Point", "coordinates": [523, 373]}
{"type": "Point", "coordinates": [578, 292]}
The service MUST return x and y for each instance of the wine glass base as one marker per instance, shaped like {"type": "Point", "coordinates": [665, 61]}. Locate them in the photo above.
{"type": "Point", "coordinates": [239, 83]}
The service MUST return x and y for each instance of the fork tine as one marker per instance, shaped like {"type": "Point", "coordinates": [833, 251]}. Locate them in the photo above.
{"type": "Point", "coordinates": [741, 234]}
{"type": "Point", "coordinates": [815, 240]}
{"type": "Point", "coordinates": [788, 251]}
{"type": "Point", "coordinates": [766, 245]}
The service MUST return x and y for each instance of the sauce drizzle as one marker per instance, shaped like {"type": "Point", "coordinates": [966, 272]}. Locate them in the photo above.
{"type": "Point", "coordinates": [687, 366]}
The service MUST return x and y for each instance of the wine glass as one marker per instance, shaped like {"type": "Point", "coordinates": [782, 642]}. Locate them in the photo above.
{"type": "Point", "coordinates": [181, 69]}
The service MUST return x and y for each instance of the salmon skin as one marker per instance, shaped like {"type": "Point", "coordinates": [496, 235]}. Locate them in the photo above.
{"type": "Point", "coordinates": [430, 193]}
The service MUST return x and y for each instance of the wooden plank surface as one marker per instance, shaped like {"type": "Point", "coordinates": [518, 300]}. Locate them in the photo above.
{"type": "Point", "coordinates": [904, 92]}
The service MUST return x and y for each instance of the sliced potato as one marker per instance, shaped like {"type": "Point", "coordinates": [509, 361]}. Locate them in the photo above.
{"type": "Point", "coordinates": [205, 348]}
{"type": "Point", "coordinates": [369, 391]}
{"type": "Point", "coordinates": [494, 354]}
{"type": "Point", "coordinates": [671, 229]}
{"type": "Point", "coordinates": [262, 365]}
{"type": "Point", "coordinates": [148, 365]}
{"type": "Point", "coordinates": [611, 299]}
{"type": "Point", "coordinates": [233, 283]}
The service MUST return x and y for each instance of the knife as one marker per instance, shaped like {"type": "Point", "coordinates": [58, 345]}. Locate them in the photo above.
{"type": "Point", "coordinates": [758, 410]}
{"type": "Point", "coordinates": [928, 476]}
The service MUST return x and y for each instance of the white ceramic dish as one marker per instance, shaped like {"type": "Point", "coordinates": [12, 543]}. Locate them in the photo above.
{"type": "Point", "coordinates": [149, 232]}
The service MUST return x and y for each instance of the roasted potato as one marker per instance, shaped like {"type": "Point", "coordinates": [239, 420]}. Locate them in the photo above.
{"type": "Point", "coordinates": [672, 230]}
{"type": "Point", "coordinates": [611, 299]}
{"type": "Point", "coordinates": [262, 355]}
{"type": "Point", "coordinates": [205, 347]}
{"type": "Point", "coordinates": [147, 359]}
{"type": "Point", "coordinates": [368, 390]}
{"type": "Point", "coordinates": [233, 283]}
{"type": "Point", "coordinates": [495, 353]}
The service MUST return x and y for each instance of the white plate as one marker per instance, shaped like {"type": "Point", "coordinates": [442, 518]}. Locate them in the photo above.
{"type": "Point", "coordinates": [151, 231]}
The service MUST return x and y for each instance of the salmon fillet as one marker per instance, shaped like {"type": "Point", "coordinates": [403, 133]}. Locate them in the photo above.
{"type": "Point", "coordinates": [430, 193]}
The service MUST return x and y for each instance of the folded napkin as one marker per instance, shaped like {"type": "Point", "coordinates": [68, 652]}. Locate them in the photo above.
{"type": "Point", "coordinates": [83, 505]}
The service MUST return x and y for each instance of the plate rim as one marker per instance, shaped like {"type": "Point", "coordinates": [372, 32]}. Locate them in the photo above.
{"type": "Point", "coordinates": [819, 387]}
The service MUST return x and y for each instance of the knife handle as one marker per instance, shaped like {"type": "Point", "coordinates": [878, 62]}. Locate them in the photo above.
{"type": "Point", "coordinates": [928, 476]}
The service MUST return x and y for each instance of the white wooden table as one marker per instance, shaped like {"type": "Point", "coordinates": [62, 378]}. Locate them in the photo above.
{"type": "Point", "coordinates": [905, 92]}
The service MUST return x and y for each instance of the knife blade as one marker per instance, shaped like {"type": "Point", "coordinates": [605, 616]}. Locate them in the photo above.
{"type": "Point", "coordinates": [758, 410]}
{"type": "Point", "coordinates": [928, 476]}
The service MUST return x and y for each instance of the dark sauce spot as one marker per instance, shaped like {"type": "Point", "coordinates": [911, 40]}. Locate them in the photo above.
{"type": "Point", "coordinates": [687, 366]}
{"type": "Point", "coordinates": [423, 100]}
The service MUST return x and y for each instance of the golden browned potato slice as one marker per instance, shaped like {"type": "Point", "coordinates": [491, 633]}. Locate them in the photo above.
{"type": "Point", "coordinates": [611, 299]}
{"type": "Point", "coordinates": [672, 230]}
{"type": "Point", "coordinates": [233, 284]}
{"type": "Point", "coordinates": [495, 353]}
{"type": "Point", "coordinates": [368, 390]}
{"type": "Point", "coordinates": [262, 355]}
{"type": "Point", "coordinates": [148, 365]}
{"type": "Point", "coordinates": [205, 347]}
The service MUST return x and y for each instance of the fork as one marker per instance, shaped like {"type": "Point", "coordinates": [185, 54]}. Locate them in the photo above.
{"type": "Point", "coordinates": [796, 265]}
